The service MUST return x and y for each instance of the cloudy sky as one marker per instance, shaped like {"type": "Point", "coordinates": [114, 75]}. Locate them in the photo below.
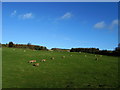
{"type": "Point", "coordinates": [61, 25]}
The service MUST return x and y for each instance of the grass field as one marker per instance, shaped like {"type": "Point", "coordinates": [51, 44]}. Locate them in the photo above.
{"type": "Point", "coordinates": [76, 71]}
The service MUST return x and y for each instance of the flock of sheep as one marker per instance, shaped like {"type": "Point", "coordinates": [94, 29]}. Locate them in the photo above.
{"type": "Point", "coordinates": [52, 58]}
{"type": "Point", "coordinates": [43, 60]}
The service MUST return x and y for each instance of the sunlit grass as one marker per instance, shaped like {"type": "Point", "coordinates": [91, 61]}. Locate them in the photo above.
{"type": "Point", "coordinates": [76, 71]}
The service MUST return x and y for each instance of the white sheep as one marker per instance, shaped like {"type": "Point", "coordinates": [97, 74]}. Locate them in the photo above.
{"type": "Point", "coordinates": [31, 61]}
{"type": "Point", "coordinates": [100, 55]}
{"type": "Point", "coordinates": [96, 58]}
{"type": "Point", "coordinates": [36, 64]}
{"type": "Point", "coordinates": [13, 49]}
{"type": "Point", "coordinates": [43, 60]}
{"type": "Point", "coordinates": [52, 58]}
{"type": "Point", "coordinates": [63, 56]}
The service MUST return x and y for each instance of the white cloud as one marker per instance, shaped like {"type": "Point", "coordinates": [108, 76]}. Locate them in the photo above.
{"type": "Point", "coordinates": [13, 13]}
{"type": "Point", "coordinates": [66, 15]}
{"type": "Point", "coordinates": [113, 24]}
{"type": "Point", "coordinates": [26, 16]}
{"type": "Point", "coordinates": [100, 25]}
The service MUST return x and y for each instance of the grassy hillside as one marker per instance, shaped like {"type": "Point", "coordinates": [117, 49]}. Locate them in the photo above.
{"type": "Point", "coordinates": [0, 68]}
{"type": "Point", "coordinates": [76, 71]}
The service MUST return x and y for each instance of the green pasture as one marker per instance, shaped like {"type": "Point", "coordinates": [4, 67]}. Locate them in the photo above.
{"type": "Point", "coordinates": [73, 71]}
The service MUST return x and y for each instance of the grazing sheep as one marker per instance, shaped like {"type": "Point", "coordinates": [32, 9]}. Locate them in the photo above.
{"type": "Point", "coordinates": [43, 60]}
{"type": "Point", "coordinates": [36, 64]}
{"type": "Point", "coordinates": [31, 61]}
{"type": "Point", "coordinates": [96, 58]}
{"type": "Point", "coordinates": [13, 49]}
{"type": "Point", "coordinates": [63, 56]}
{"type": "Point", "coordinates": [52, 58]}
{"type": "Point", "coordinates": [100, 55]}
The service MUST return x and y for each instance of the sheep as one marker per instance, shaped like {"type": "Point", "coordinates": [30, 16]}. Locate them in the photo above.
{"type": "Point", "coordinates": [36, 64]}
{"type": "Point", "coordinates": [43, 60]}
{"type": "Point", "coordinates": [96, 58]}
{"type": "Point", "coordinates": [100, 55]}
{"type": "Point", "coordinates": [52, 58]}
{"type": "Point", "coordinates": [24, 50]}
{"type": "Point", "coordinates": [13, 49]}
{"type": "Point", "coordinates": [31, 61]}
{"type": "Point", "coordinates": [63, 56]}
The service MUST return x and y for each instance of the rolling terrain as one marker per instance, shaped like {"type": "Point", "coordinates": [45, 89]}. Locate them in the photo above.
{"type": "Point", "coordinates": [75, 70]}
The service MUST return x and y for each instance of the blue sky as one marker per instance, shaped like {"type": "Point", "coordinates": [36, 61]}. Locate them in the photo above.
{"type": "Point", "coordinates": [61, 25]}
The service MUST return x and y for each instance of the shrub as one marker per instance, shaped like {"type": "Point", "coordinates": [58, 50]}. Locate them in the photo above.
{"type": "Point", "coordinates": [37, 48]}
{"type": "Point", "coordinates": [10, 44]}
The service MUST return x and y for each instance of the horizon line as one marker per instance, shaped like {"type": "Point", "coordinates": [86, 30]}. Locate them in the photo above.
{"type": "Point", "coordinates": [59, 47]}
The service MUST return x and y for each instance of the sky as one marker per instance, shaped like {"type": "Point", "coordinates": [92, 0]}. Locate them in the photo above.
{"type": "Point", "coordinates": [61, 24]}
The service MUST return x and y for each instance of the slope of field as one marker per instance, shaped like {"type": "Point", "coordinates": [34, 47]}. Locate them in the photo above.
{"type": "Point", "coordinates": [0, 68]}
{"type": "Point", "coordinates": [76, 71]}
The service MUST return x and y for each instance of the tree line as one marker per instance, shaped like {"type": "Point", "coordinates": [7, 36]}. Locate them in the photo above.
{"type": "Point", "coordinates": [59, 49]}
{"type": "Point", "coordinates": [115, 52]}
{"type": "Point", "coordinates": [29, 46]}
